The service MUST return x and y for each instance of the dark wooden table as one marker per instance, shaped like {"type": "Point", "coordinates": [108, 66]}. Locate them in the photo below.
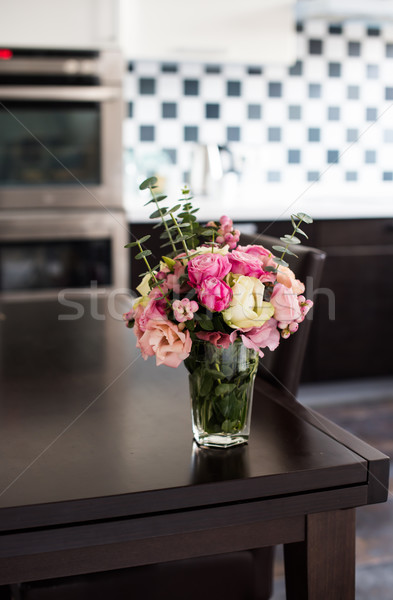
{"type": "Point", "coordinates": [98, 469]}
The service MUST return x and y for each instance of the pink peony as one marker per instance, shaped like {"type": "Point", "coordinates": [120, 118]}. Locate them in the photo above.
{"type": "Point", "coordinates": [266, 336]}
{"type": "Point", "coordinates": [246, 264]}
{"type": "Point", "coordinates": [285, 303]}
{"type": "Point", "coordinates": [218, 339]}
{"type": "Point", "coordinates": [215, 294]}
{"type": "Point", "coordinates": [207, 265]}
{"type": "Point", "coordinates": [164, 339]}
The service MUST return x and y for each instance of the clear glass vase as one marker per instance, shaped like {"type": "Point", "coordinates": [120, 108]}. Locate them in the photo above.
{"type": "Point", "coordinates": [221, 388]}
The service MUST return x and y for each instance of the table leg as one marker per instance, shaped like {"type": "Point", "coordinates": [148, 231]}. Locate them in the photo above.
{"type": "Point", "coordinates": [322, 567]}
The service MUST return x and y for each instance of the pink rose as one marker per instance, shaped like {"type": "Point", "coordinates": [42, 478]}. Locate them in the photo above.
{"type": "Point", "coordinates": [287, 278]}
{"type": "Point", "coordinates": [215, 294]}
{"type": "Point", "coordinates": [164, 339]}
{"type": "Point", "coordinates": [218, 339]}
{"type": "Point", "coordinates": [285, 303]}
{"type": "Point", "coordinates": [207, 265]}
{"type": "Point", "coordinates": [266, 258]}
{"type": "Point", "coordinates": [266, 336]}
{"type": "Point", "coordinates": [245, 264]}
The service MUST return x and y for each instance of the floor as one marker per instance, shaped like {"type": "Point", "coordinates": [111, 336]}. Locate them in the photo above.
{"type": "Point", "coordinates": [366, 409]}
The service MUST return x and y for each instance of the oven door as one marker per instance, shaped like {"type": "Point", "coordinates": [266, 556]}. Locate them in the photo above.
{"type": "Point", "coordinates": [60, 146]}
{"type": "Point", "coordinates": [46, 252]}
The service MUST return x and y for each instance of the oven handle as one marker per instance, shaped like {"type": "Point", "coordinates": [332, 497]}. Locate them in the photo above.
{"type": "Point", "coordinates": [59, 94]}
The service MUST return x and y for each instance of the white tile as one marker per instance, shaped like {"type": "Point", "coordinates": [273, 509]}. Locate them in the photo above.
{"type": "Point", "coordinates": [233, 111]}
{"type": "Point", "coordinates": [314, 157]}
{"type": "Point", "coordinates": [315, 28]}
{"type": "Point", "coordinates": [191, 69]}
{"type": "Point", "coordinates": [129, 87]}
{"type": "Point", "coordinates": [295, 90]}
{"type": "Point", "coordinates": [334, 135]}
{"type": "Point", "coordinates": [314, 113]}
{"type": "Point", "coordinates": [212, 88]}
{"type": "Point", "coordinates": [274, 111]}
{"type": "Point", "coordinates": [212, 132]}
{"type": "Point", "coordinates": [354, 31]}
{"type": "Point", "coordinates": [294, 134]}
{"type": "Point", "coordinates": [373, 93]}
{"type": "Point", "coordinates": [315, 68]}
{"type": "Point", "coordinates": [147, 110]}
{"type": "Point", "coordinates": [253, 132]}
{"type": "Point", "coordinates": [373, 50]}
{"type": "Point", "coordinates": [130, 133]}
{"type": "Point", "coordinates": [169, 133]}
{"type": "Point", "coordinates": [353, 71]}
{"type": "Point", "coordinates": [335, 48]}
{"type": "Point", "coordinates": [387, 32]}
{"type": "Point", "coordinates": [254, 89]}
{"type": "Point", "coordinates": [146, 68]}
{"type": "Point", "coordinates": [169, 87]}
{"type": "Point", "coordinates": [334, 91]}
{"type": "Point", "coordinates": [353, 114]}
{"type": "Point", "coordinates": [234, 71]}
{"type": "Point", "coordinates": [275, 72]}
{"type": "Point", "coordinates": [191, 110]}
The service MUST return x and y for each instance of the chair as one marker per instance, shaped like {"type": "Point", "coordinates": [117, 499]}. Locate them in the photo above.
{"type": "Point", "coordinates": [251, 572]}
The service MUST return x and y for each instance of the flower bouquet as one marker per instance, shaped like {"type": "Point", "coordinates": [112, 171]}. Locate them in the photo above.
{"type": "Point", "coordinates": [216, 305]}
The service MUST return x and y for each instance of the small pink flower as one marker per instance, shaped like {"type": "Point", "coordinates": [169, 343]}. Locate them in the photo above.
{"type": "Point", "coordinates": [285, 303]}
{"type": "Point", "coordinates": [293, 327]}
{"type": "Point", "coordinates": [285, 334]}
{"type": "Point", "coordinates": [207, 265]}
{"type": "Point", "coordinates": [184, 310]}
{"type": "Point", "coordinates": [218, 339]}
{"type": "Point", "coordinates": [245, 264]}
{"type": "Point", "coordinates": [215, 294]}
{"type": "Point", "coordinates": [226, 224]}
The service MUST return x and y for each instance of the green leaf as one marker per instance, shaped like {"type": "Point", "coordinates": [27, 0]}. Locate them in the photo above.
{"type": "Point", "coordinates": [287, 239]}
{"type": "Point", "coordinates": [280, 248]}
{"type": "Point", "coordinates": [208, 232]}
{"type": "Point", "coordinates": [281, 262]}
{"type": "Point", "coordinates": [270, 269]}
{"type": "Point", "coordinates": [175, 208]}
{"type": "Point", "coordinates": [148, 183]}
{"type": "Point", "coordinates": [143, 253]}
{"type": "Point", "coordinates": [207, 325]}
{"type": "Point", "coordinates": [224, 388]}
{"type": "Point", "coordinates": [304, 217]}
{"type": "Point", "coordinates": [206, 386]}
{"type": "Point", "coordinates": [169, 261]}
{"type": "Point", "coordinates": [144, 239]}
{"type": "Point", "coordinates": [160, 212]}
{"type": "Point", "coordinates": [157, 225]}
{"type": "Point", "coordinates": [166, 244]}
{"type": "Point", "coordinates": [131, 245]}
{"type": "Point", "coordinates": [302, 233]}
{"type": "Point", "coordinates": [291, 253]}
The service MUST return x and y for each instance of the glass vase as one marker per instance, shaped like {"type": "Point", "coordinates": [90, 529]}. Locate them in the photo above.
{"type": "Point", "coordinates": [221, 388]}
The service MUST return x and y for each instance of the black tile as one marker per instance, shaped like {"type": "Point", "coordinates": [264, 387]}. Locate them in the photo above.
{"type": "Point", "coordinates": [333, 113]}
{"type": "Point", "coordinates": [299, 27]}
{"type": "Point", "coordinates": [334, 69]}
{"type": "Point", "coordinates": [130, 110]}
{"type": "Point", "coordinates": [335, 29]}
{"type": "Point", "coordinates": [191, 133]}
{"type": "Point", "coordinates": [373, 31]}
{"type": "Point", "coordinates": [389, 51]}
{"type": "Point", "coordinates": [352, 135]}
{"type": "Point", "coordinates": [130, 66]}
{"type": "Point", "coordinates": [315, 46]}
{"type": "Point", "coordinates": [234, 88]}
{"type": "Point", "coordinates": [313, 175]}
{"type": "Point", "coordinates": [275, 89]}
{"type": "Point", "coordinates": [353, 48]}
{"type": "Point", "coordinates": [273, 176]}
{"type": "Point", "coordinates": [233, 134]}
{"type": "Point", "coordinates": [254, 70]}
{"type": "Point", "coordinates": [213, 69]}
{"type": "Point", "coordinates": [274, 134]}
{"type": "Point", "coordinates": [169, 110]}
{"type": "Point", "coordinates": [294, 112]}
{"type": "Point", "coordinates": [314, 134]}
{"type": "Point", "coordinates": [191, 87]}
{"type": "Point", "coordinates": [332, 156]}
{"type": "Point", "coordinates": [254, 111]}
{"type": "Point", "coordinates": [371, 114]}
{"type": "Point", "coordinates": [314, 90]}
{"type": "Point", "coordinates": [147, 85]}
{"type": "Point", "coordinates": [351, 176]}
{"type": "Point", "coordinates": [294, 156]}
{"type": "Point", "coordinates": [353, 92]}
{"type": "Point", "coordinates": [147, 133]}
{"type": "Point", "coordinates": [212, 111]}
{"type": "Point", "coordinates": [387, 176]}
{"type": "Point", "coordinates": [169, 68]}
{"type": "Point", "coordinates": [296, 69]}
{"type": "Point", "coordinates": [389, 93]}
{"type": "Point", "coordinates": [370, 157]}
{"type": "Point", "coordinates": [171, 154]}
{"type": "Point", "coordinates": [372, 71]}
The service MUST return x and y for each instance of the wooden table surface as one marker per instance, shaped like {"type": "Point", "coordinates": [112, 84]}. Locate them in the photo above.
{"type": "Point", "coordinates": [98, 468]}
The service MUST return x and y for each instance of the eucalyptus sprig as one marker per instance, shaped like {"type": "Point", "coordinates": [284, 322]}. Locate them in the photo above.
{"type": "Point", "coordinates": [150, 184]}
{"type": "Point", "coordinates": [291, 240]}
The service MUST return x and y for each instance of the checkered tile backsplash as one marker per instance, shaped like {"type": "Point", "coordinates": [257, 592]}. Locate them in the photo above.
{"type": "Point", "coordinates": [331, 110]}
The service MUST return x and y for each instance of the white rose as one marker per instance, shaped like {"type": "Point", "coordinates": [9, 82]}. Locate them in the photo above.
{"type": "Point", "coordinates": [247, 308]}
{"type": "Point", "coordinates": [206, 249]}
{"type": "Point", "coordinates": [144, 287]}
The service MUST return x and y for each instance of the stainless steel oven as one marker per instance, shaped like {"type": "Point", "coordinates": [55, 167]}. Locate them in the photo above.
{"type": "Point", "coordinates": [43, 252]}
{"type": "Point", "coordinates": [61, 118]}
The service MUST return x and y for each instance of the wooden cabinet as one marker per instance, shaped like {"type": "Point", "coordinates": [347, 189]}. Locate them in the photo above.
{"type": "Point", "coordinates": [352, 328]}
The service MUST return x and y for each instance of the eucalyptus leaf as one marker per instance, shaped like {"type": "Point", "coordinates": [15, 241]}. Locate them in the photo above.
{"type": "Point", "coordinates": [280, 248]}
{"type": "Point", "coordinates": [131, 245]}
{"type": "Point", "coordinates": [288, 239]}
{"type": "Point", "coordinates": [148, 183]}
{"type": "Point", "coordinates": [281, 262]}
{"type": "Point", "coordinates": [302, 233]}
{"type": "Point", "coordinates": [144, 239]}
{"type": "Point", "coordinates": [288, 251]}
{"type": "Point", "coordinates": [306, 218]}
{"type": "Point", "coordinates": [143, 254]}
{"type": "Point", "coordinates": [160, 212]}
{"type": "Point", "coordinates": [175, 208]}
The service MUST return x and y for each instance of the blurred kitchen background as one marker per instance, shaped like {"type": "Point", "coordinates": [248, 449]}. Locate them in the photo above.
{"type": "Point", "coordinates": [263, 107]}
